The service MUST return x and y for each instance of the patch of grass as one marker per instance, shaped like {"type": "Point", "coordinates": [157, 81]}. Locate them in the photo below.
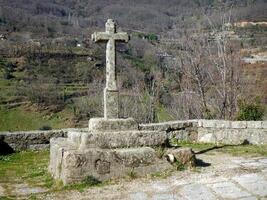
{"type": "Point", "coordinates": [160, 151]}
{"type": "Point", "coordinates": [26, 166]}
{"type": "Point", "coordinates": [132, 174]}
{"type": "Point", "coordinates": [235, 150]}
{"type": "Point", "coordinates": [194, 146]}
{"type": "Point", "coordinates": [163, 174]}
{"type": "Point", "coordinates": [245, 150]}
{"type": "Point", "coordinates": [16, 119]}
{"type": "Point", "coordinates": [179, 166]}
{"type": "Point", "coordinates": [90, 181]}
{"type": "Point", "coordinates": [31, 167]}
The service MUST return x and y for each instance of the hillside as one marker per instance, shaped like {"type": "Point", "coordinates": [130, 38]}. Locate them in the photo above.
{"type": "Point", "coordinates": [52, 75]}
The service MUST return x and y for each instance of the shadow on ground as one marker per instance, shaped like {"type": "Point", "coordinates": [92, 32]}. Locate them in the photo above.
{"type": "Point", "coordinates": [5, 149]}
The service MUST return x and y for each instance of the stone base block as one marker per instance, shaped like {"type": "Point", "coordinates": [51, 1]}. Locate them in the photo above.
{"type": "Point", "coordinates": [102, 124]}
{"type": "Point", "coordinates": [123, 139]}
{"type": "Point", "coordinates": [74, 165]}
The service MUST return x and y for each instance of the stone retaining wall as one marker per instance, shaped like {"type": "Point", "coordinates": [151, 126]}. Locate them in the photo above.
{"type": "Point", "coordinates": [232, 132]}
{"type": "Point", "coordinates": [208, 131]}
{"type": "Point", "coordinates": [18, 141]}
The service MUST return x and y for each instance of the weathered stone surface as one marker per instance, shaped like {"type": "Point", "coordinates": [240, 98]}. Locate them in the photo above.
{"type": "Point", "coordinates": [254, 124]}
{"type": "Point", "coordinates": [186, 156]}
{"type": "Point", "coordinates": [187, 134]}
{"type": "Point", "coordinates": [123, 139]}
{"type": "Point", "coordinates": [196, 191]}
{"type": "Point", "coordinates": [25, 189]}
{"type": "Point", "coordinates": [228, 190]}
{"type": "Point", "coordinates": [168, 126]}
{"type": "Point", "coordinates": [102, 124]}
{"type": "Point", "coordinates": [239, 124]}
{"type": "Point", "coordinates": [30, 139]}
{"type": "Point", "coordinates": [111, 104]}
{"type": "Point", "coordinates": [139, 196]}
{"type": "Point", "coordinates": [57, 148]}
{"type": "Point", "coordinates": [253, 183]}
{"type": "Point", "coordinates": [103, 164]}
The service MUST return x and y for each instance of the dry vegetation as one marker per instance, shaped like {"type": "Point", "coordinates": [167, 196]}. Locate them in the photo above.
{"type": "Point", "coordinates": [180, 63]}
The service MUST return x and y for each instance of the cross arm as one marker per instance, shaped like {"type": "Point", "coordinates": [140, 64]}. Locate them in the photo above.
{"type": "Point", "coordinates": [100, 36]}
{"type": "Point", "coordinates": [122, 36]}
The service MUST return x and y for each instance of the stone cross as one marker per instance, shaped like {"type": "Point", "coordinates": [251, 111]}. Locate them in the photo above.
{"type": "Point", "coordinates": [111, 94]}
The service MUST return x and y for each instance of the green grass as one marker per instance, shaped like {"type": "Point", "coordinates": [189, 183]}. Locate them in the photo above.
{"type": "Point", "coordinates": [16, 119]}
{"type": "Point", "coordinates": [26, 166]}
{"type": "Point", "coordinates": [31, 167]}
{"type": "Point", "coordinates": [235, 150]}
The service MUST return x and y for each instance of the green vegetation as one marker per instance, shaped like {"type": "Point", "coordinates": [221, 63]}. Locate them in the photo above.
{"type": "Point", "coordinates": [235, 150]}
{"type": "Point", "coordinates": [31, 167]}
{"type": "Point", "coordinates": [28, 166]}
{"type": "Point", "coordinates": [16, 119]}
{"type": "Point", "coordinates": [152, 37]}
{"type": "Point", "coordinates": [250, 110]}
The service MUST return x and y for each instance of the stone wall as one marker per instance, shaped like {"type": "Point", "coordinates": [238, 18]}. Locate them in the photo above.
{"type": "Point", "coordinates": [208, 131]}
{"type": "Point", "coordinates": [232, 132]}
{"type": "Point", "coordinates": [214, 131]}
{"type": "Point", "coordinates": [18, 141]}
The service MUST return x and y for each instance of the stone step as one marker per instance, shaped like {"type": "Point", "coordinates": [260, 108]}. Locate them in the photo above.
{"type": "Point", "coordinates": [119, 139]}
{"type": "Point", "coordinates": [102, 124]}
{"type": "Point", "coordinates": [102, 164]}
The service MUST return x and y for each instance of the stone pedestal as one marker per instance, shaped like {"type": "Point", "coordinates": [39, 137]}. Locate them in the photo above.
{"type": "Point", "coordinates": [111, 104]}
{"type": "Point", "coordinates": [110, 148]}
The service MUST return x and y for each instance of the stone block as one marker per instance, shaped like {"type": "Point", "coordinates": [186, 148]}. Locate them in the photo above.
{"type": "Point", "coordinates": [102, 124]}
{"type": "Point", "coordinates": [123, 139]}
{"type": "Point", "coordinates": [228, 190]}
{"type": "Point", "coordinates": [57, 148]}
{"type": "Point", "coordinates": [209, 123]}
{"type": "Point", "coordinates": [104, 164]}
{"type": "Point", "coordinates": [184, 155]}
{"type": "Point", "coordinates": [75, 136]}
{"type": "Point", "coordinates": [168, 126]}
{"type": "Point", "coordinates": [254, 124]}
{"type": "Point", "coordinates": [222, 124]}
{"type": "Point", "coordinates": [264, 124]}
{"type": "Point", "coordinates": [239, 124]}
{"type": "Point", "coordinates": [205, 136]}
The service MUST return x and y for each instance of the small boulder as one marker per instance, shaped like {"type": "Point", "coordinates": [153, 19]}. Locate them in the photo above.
{"type": "Point", "coordinates": [186, 156]}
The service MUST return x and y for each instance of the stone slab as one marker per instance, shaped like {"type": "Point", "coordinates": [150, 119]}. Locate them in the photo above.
{"type": "Point", "coordinates": [228, 190]}
{"type": "Point", "coordinates": [102, 124]}
{"type": "Point", "coordinates": [74, 165]}
{"type": "Point", "coordinates": [168, 126]}
{"type": "Point", "coordinates": [123, 139]}
{"type": "Point", "coordinates": [254, 124]}
{"type": "Point", "coordinates": [197, 191]}
{"type": "Point", "coordinates": [164, 197]}
{"type": "Point", "coordinates": [239, 124]}
{"type": "Point", "coordinates": [139, 196]}
{"type": "Point", "coordinates": [253, 183]}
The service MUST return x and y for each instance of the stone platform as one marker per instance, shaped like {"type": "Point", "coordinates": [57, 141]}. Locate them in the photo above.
{"type": "Point", "coordinates": [110, 148]}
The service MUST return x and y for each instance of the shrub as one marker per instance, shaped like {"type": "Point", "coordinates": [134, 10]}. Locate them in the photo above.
{"type": "Point", "coordinates": [250, 111]}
